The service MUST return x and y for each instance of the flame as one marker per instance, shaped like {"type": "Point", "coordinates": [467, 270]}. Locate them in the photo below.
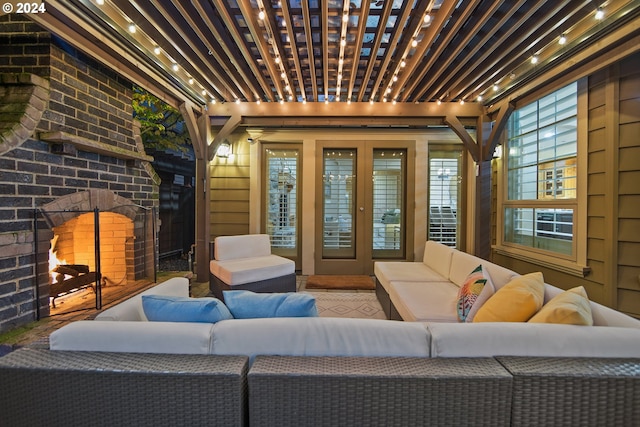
{"type": "Point", "coordinates": [54, 261]}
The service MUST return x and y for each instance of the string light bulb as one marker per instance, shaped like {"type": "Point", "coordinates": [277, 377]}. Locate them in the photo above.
{"type": "Point", "coordinates": [599, 14]}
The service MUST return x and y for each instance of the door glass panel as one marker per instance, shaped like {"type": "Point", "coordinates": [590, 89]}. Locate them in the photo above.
{"type": "Point", "coordinates": [444, 196]}
{"type": "Point", "coordinates": [282, 200]}
{"type": "Point", "coordinates": [339, 179]}
{"type": "Point", "coordinates": [388, 199]}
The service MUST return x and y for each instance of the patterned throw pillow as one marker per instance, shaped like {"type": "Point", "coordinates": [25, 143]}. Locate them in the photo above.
{"type": "Point", "coordinates": [476, 289]}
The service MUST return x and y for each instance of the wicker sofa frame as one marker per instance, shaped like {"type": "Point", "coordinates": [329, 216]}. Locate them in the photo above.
{"type": "Point", "coordinates": [42, 387]}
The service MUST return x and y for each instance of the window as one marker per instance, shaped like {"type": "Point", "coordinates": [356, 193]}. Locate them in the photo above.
{"type": "Point", "coordinates": [541, 167]}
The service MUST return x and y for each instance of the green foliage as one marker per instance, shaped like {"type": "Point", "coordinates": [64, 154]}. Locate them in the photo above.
{"type": "Point", "coordinates": [161, 125]}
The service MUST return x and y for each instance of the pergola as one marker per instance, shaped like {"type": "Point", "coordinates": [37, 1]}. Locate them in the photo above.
{"type": "Point", "coordinates": [257, 63]}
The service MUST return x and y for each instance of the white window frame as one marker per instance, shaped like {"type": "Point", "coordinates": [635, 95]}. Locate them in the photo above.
{"type": "Point", "coordinates": [577, 263]}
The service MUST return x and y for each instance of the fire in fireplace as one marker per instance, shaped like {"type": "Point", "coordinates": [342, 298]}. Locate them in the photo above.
{"type": "Point", "coordinates": [72, 257]}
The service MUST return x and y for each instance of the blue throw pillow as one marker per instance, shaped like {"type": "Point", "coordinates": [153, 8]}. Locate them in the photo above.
{"type": "Point", "coordinates": [162, 308]}
{"type": "Point", "coordinates": [251, 305]}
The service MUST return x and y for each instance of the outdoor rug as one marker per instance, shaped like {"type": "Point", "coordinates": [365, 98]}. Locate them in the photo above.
{"type": "Point", "coordinates": [348, 305]}
{"type": "Point", "coordinates": [340, 282]}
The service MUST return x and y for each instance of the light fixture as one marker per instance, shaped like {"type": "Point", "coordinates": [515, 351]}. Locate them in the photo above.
{"type": "Point", "coordinates": [204, 92]}
{"type": "Point", "coordinates": [462, 102]}
{"type": "Point", "coordinates": [427, 18]}
{"type": "Point", "coordinates": [132, 28]}
{"type": "Point", "coordinates": [403, 63]}
{"type": "Point", "coordinates": [479, 98]}
{"type": "Point", "coordinates": [414, 43]}
{"type": "Point", "coordinates": [175, 67]}
{"type": "Point", "coordinates": [224, 150]}
{"type": "Point", "coordinates": [261, 15]}
{"type": "Point", "coordinates": [345, 17]}
{"type": "Point", "coordinates": [497, 153]}
{"type": "Point", "coordinates": [371, 101]}
{"type": "Point", "coordinates": [157, 50]}
{"type": "Point", "coordinates": [599, 14]}
{"type": "Point", "coordinates": [438, 102]}
{"type": "Point", "coordinates": [237, 100]}
{"type": "Point", "coordinates": [343, 42]}
{"type": "Point", "coordinates": [534, 59]}
{"type": "Point", "coordinates": [100, 2]}
{"type": "Point", "coordinates": [562, 39]}
{"type": "Point", "coordinates": [495, 88]}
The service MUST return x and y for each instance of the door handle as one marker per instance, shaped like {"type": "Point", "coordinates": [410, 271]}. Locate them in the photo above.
{"type": "Point", "coordinates": [361, 209]}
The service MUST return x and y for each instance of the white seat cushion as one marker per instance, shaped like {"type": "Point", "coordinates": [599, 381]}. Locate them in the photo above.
{"type": "Point", "coordinates": [420, 301]}
{"type": "Point", "coordinates": [404, 272]}
{"type": "Point", "coordinates": [247, 270]}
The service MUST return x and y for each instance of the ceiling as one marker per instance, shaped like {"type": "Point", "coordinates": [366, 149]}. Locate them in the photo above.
{"type": "Point", "coordinates": [332, 51]}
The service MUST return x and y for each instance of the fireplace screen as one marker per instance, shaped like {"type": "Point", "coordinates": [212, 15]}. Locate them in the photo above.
{"type": "Point", "coordinates": [90, 258]}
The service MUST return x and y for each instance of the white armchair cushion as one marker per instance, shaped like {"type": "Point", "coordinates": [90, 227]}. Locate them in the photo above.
{"type": "Point", "coordinates": [242, 246]}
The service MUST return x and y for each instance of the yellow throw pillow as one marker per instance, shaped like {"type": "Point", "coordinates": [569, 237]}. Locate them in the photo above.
{"type": "Point", "coordinates": [516, 301]}
{"type": "Point", "coordinates": [571, 307]}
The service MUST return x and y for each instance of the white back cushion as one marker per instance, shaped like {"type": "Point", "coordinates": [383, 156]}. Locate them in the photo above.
{"type": "Point", "coordinates": [134, 337]}
{"type": "Point", "coordinates": [437, 257]}
{"type": "Point", "coordinates": [320, 336]}
{"type": "Point", "coordinates": [463, 263]}
{"type": "Point", "coordinates": [131, 309]}
{"type": "Point", "coordinates": [532, 339]}
{"type": "Point", "coordinates": [242, 246]}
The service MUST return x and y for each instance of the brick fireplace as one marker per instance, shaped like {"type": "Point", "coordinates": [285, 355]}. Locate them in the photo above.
{"type": "Point", "coordinates": [68, 146]}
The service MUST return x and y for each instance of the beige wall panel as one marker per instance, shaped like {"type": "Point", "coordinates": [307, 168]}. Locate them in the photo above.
{"type": "Point", "coordinates": [629, 110]}
{"type": "Point", "coordinates": [219, 195]}
{"type": "Point", "coordinates": [596, 249]}
{"type": "Point", "coordinates": [630, 65]}
{"type": "Point", "coordinates": [629, 302]}
{"type": "Point", "coordinates": [597, 78]}
{"type": "Point", "coordinates": [596, 205]}
{"type": "Point", "coordinates": [229, 218]}
{"type": "Point", "coordinates": [222, 171]}
{"type": "Point", "coordinates": [629, 182]}
{"type": "Point", "coordinates": [229, 206]}
{"type": "Point", "coordinates": [630, 160]}
{"type": "Point", "coordinates": [597, 162]}
{"type": "Point", "coordinates": [597, 140]}
{"type": "Point", "coordinates": [628, 253]}
{"type": "Point", "coordinates": [630, 87]}
{"type": "Point", "coordinates": [629, 134]}
{"type": "Point", "coordinates": [228, 229]}
{"type": "Point", "coordinates": [596, 184]}
{"type": "Point", "coordinates": [596, 96]}
{"type": "Point", "coordinates": [629, 206]}
{"type": "Point", "coordinates": [629, 231]}
{"type": "Point", "coordinates": [229, 183]}
{"type": "Point", "coordinates": [629, 277]}
{"type": "Point", "coordinates": [597, 270]}
{"type": "Point", "coordinates": [595, 228]}
{"type": "Point", "coordinates": [597, 118]}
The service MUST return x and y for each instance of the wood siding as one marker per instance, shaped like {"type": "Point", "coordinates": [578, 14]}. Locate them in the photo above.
{"type": "Point", "coordinates": [613, 192]}
{"type": "Point", "coordinates": [229, 192]}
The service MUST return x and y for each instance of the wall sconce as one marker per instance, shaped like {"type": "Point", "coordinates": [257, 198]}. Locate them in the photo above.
{"type": "Point", "coordinates": [497, 153]}
{"type": "Point", "coordinates": [224, 150]}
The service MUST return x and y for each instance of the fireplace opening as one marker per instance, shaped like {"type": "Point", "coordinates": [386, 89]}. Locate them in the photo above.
{"type": "Point", "coordinates": [93, 248]}
{"type": "Point", "coordinates": [72, 258]}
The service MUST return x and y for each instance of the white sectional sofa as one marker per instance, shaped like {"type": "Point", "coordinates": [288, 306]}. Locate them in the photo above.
{"type": "Point", "coordinates": [124, 328]}
{"type": "Point", "coordinates": [427, 290]}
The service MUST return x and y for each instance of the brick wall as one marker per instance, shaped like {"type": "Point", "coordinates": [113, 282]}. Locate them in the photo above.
{"type": "Point", "coordinates": [86, 100]}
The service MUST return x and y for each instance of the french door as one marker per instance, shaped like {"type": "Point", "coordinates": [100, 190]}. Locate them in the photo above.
{"type": "Point", "coordinates": [281, 213]}
{"type": "Point", "coordinates": [361, 198]}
